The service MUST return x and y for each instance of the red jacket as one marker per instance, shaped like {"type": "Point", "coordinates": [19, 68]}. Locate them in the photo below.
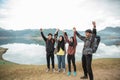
{"type": "Point", "coordinates": [71, 49]}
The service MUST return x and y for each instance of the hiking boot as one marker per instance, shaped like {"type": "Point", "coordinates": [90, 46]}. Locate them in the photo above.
{"type": "Point", "coordinates": [47, 70]}
{"type": "Point", "coordinates": [84, 77]}
{"type": "Point", "coordinates": [53, 70]}
{"type": "Point", "coordinates": [74, 73]}
{"type": "Point", "coordinates": [69, 73]}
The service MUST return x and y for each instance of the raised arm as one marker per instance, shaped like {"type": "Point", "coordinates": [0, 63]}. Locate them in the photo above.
{"type": "Point", "coordinates": [45, 39]}
{"type": "Point", "coordinates": [56, 35]}
{"type": "Point", "coordinates": [80, 37]}
{"type": "Point", "coordinates": [94, 28]}
{"type": "Point", "coordinates": [66, 37]}
{"type": "Point", "coordinates": [94, 32]}
{"type": "Point", "coordinates": [75, 40]}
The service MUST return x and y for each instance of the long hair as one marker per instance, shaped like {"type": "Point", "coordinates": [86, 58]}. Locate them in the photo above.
{"type": "Point", "coordinates": [61, 44]}
{"type": "Point", "coordinates": [71, 43]}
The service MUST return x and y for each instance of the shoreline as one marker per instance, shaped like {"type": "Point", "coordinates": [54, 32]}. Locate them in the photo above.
{"type": "Point", "coordinates": [2, 51]}
{"type": "Point", "coordinates": [3, 61]}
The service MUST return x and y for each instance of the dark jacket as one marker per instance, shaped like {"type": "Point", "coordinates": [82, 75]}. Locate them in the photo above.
{"type": "Point", "coordinates": [71, 49]}
{"type": "Point", "coordinates": [87, 42]}
{"type": "Point", "coordinates": [49, 43]}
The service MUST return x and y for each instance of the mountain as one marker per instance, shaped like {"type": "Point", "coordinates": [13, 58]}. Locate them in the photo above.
{"type": "Point", "coordinates": [109, 35]}
{"type": "Point", "coordinates": [5, 33]}
{"type": "Point", "coordinates": [110, 31]}
{"type": "Point", "coordinates": [17, 33]}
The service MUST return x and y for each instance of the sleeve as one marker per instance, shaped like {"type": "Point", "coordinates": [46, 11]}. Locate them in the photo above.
{"type": "Point", "coordinates": [80, 37]}
{"type": "Point", "coordinates": [45, 39]}
{"type": "Point", "coordinates": [94, 33]}
{"type": "Point", "coordinates": [66, 37]}
{"type": "Point", "coordinates": [75, 40]}
{"type": "Point", "coordinates": [55, 36]}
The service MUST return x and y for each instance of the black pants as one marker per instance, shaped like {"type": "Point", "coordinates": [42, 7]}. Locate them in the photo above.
{"type": "Point", "coordinates": [86, 64]}
{"type": "Point", "coordinates": [48, 56]}
{"type": "Point", "coordinates": [69, 58]}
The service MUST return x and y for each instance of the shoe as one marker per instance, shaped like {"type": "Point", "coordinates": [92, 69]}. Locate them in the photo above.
{"type": "Point", "coordinates": [47, 70]}
{"type": "Point", "coordinates": [53, 70]}
{"type": "Point", "coordinates": [58, 70]}
{"type": "Point", "coordinates": [74, 73]}
{"type": "Point", "coordinates": [69, 73]}
{"type": "Point", "coordinates": [64, 71]}
{"type": "Point", "coordinates": [84, 77]}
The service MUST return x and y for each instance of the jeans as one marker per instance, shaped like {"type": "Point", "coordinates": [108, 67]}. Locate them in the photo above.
{"type": "Point", "coordinates": [48, 56]}
{"type": "Point", "coordinates": [86, 64]}
{"type": "Point", "coordinates": [61, 61]}
{"type": "Point", "coordinates": [71, 58]}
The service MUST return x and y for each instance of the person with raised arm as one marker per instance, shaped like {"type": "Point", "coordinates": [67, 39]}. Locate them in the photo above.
{"type": "Point", "coordinates": [61, 52]}
{"type": "Point", "coordinates": [72, 43]}
{"type": "Point", "coordinates": [50, 42]}
{"type": "Point", "coordinates": [87, 51]}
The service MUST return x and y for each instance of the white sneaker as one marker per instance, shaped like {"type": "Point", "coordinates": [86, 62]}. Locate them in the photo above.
{"type": "Point", "coordinates": [64, 70]}
{"type": "Point", "coordinates": [58, 70]}
{"type": "Point", "coordinates": [47, 70]}
{"type": "Point", "coordinates": [53, 70]}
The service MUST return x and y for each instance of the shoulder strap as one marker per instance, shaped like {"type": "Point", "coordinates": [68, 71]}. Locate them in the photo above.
{"type": "Point", "coordinates": [91, 43]}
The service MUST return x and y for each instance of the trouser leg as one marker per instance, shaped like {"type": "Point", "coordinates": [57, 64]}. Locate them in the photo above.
{"type": "Point", "coordinates": [89, 68]}
{"type": "Point", "coordinates": [73, 62]}
{"type": "Point", "coordinates": [69, 62]}
{"type": "Point", "coordinates": [84, 65]}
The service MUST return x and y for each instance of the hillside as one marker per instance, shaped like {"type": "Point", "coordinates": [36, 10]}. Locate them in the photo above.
{"type": "Point", "coordinates": [35, 32]}
{"type": "Point", "coordinates": [109, 35]}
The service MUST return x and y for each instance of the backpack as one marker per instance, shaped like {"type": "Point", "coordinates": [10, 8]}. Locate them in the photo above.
{"type": "Point", "coordinates": [95, 44]}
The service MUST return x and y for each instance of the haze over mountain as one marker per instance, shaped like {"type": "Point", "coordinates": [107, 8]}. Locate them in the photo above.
{"type": "Point", "coordinates": [109, 35]}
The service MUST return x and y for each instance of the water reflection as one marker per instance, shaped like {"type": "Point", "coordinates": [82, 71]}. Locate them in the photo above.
{"type": "Point", "coordinates": [35, 53]}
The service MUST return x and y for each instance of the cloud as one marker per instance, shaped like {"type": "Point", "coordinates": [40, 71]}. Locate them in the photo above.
{"type": "Point", "coordinates": [3, 11]}
{"type": "Point", "coordinates": [24, 14]}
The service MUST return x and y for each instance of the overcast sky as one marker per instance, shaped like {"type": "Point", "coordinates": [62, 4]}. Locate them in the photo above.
{"type": "Point", "coordinates": [63, 14]}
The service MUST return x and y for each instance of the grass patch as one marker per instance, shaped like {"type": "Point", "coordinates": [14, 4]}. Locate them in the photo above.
{"type": "Point", "coordinates": [103, 69]}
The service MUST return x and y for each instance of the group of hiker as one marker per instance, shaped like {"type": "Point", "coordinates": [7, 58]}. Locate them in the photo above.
{"type": "Point", "coordinates": [60, 50]}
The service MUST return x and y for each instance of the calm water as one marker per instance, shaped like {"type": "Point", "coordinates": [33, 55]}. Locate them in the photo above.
{"type": "Point", "coordinates": [35, 54]}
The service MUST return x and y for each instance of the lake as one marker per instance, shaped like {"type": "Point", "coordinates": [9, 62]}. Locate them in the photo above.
{"type": "Point", "coordinates": [22, 53]}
